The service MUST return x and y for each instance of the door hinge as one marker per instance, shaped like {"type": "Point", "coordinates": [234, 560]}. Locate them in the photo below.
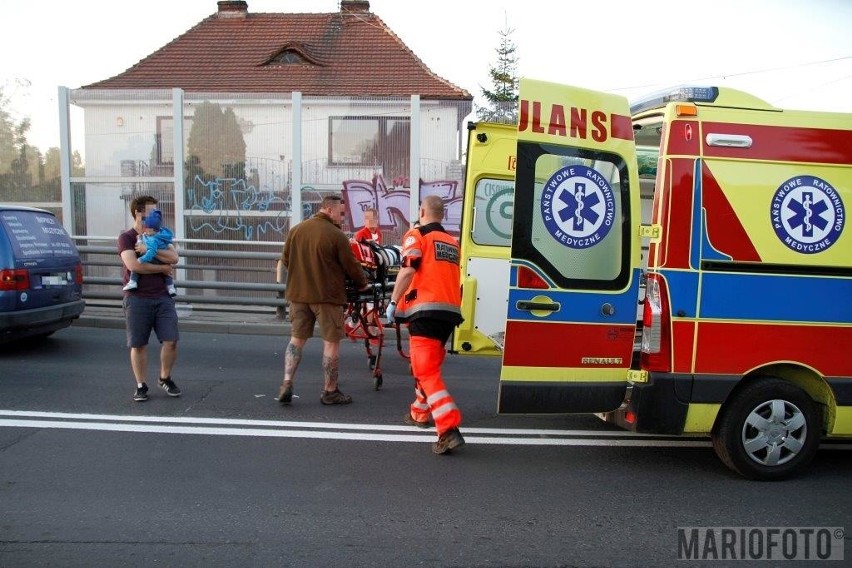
{"type": "Point", "coordinates": [635, 376]}
{"type": "Point", "coordinates": [650, 231]}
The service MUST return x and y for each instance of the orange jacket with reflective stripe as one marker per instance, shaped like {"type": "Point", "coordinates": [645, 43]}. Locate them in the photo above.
{"type": "Point", "coordinates": [434, 291]}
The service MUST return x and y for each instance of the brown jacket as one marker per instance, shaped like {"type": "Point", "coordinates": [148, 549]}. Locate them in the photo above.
{"type": "Point", "coordinates": [318, 259]}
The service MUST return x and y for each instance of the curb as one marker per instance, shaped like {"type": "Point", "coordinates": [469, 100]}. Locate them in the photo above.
{"type": "Point", "coordinates": [224, 326]}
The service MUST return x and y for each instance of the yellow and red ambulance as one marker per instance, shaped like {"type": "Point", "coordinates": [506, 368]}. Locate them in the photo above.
{"type": "Point", "coordinates": [742, 269]}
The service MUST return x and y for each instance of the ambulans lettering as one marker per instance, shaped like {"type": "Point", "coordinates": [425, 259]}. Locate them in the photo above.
{"type": "Point", "coordinates": [577, 206]}
{"type": "Point", "coordinates": [575, 126]}
{"type": "Point", "coordinates": [807, 214]}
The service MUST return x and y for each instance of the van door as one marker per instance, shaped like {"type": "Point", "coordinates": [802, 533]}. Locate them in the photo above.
{"type": "Point", "coordinates": [575, 255]}
{"type": "Point", "coordinates": [485, 237]}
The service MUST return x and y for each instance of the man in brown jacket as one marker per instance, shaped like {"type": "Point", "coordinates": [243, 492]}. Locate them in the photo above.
{"type": "Point", "coordinates": [318, 258]}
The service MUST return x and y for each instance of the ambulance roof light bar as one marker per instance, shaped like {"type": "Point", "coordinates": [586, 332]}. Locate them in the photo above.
{"type": "Point", "coordinates": [660, 99]}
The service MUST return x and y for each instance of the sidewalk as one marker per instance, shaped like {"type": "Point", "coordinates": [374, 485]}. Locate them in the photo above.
{"type": "Point", "coordinates": [228, 319]}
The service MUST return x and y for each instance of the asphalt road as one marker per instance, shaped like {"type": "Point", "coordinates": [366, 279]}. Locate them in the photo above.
{"type": "Point", "coordinates": [224, 476]}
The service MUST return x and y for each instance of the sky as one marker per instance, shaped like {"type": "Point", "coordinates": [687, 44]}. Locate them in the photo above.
{"type": "Point", "coordinates": [791, 53]}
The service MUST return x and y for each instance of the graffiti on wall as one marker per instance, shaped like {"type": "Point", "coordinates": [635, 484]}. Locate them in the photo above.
{"type": "Point", "coordinates": [392, 203]}
{"type": "Point", "coordinates": [233, 209]}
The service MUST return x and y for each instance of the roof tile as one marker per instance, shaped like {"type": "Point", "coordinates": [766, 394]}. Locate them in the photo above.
{"type": "Point", "coordinates": [352, 54]}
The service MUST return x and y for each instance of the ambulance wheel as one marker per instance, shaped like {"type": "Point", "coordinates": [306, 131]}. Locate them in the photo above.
{"type": "Point", "coordinates": [769, 430]}
{"type": "Point", "coordinates": [372, 362]}
{"type": "Point", "coordinates": [377, 382]}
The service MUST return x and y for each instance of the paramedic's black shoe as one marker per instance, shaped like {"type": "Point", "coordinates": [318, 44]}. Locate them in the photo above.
{"type": "Point", "coordinates": [169, 386]}
{"type": "Point", "coordinates": [449, 440]}
{"type": "Point", "coordinates": [412, 422]}
{"type": "Point", "coordinates": [141, 394]}
{"type": "Point", "coordinates": [285, 394]}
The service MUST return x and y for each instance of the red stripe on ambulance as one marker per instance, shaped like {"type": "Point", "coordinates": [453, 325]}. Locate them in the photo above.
{"type": "Point", "coordinates": [542, 344]}
{"type": "Point", "coordinates": [736, 348]}
{"type": "Point", "coordinates": [724, 229]}
{"type": "Point", "coordinates": [783, 143]}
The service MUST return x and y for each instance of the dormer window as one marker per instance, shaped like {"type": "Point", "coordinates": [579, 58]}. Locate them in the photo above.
{"type": "Point", "coordinates": [293, 54]}
{"type": "Point", "coordinates": [287, 57]}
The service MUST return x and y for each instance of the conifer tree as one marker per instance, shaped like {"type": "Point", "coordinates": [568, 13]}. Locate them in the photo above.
{"type": "Point", "coordinates": [503, 95]}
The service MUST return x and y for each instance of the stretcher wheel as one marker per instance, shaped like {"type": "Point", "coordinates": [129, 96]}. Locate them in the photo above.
{"type": "Point", "coordinates": [377, 382]}
{"type": "Point", "coordinates": [372, 363]}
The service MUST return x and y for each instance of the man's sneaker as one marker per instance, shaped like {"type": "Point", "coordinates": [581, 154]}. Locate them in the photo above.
{"type": "Point", "coordinates": [449, 440]}
{"type": "Point", "coordinates": [412, 422]}
{"type": "Point", "coordinates": [335, 397]}
{"type": "Point", "coordinates": [169, 386]}
{"type": "Point", "coordinates": [285, 393]}
{"type": "Point", "coordinates": [130, 286]}
{"type": "Point", "coordinates": [141, 393]}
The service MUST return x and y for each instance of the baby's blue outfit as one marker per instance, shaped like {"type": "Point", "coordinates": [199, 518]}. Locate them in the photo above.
{"type": "Point", "coordinates": [158, 241]}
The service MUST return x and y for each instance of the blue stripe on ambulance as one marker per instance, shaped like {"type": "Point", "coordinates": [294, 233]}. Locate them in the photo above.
{"type": "Point", "coordinates": [771, 297]}
{"type": "Point", "coordinates": [576, 306]}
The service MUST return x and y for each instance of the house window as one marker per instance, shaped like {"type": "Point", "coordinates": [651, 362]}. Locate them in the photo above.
{"type": "Point", "coordinates": [165, 138]}
{"type": "Point", "coordinates": [288, 57]}
{"type": "Point", "coordinates": [378, 141]}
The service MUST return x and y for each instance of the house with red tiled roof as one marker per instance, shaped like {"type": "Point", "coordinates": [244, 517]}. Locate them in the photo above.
{"type": "Point", "coordinates": [346, 53]}
{"type": "Point", "coordinates": [318, 100]}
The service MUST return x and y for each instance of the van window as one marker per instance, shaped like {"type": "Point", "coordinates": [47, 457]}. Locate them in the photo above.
{"type": "Point", "coordinates": [493, 212]}
{"type": "Point", "coordinates": [36, 235]}
{"type": "Point", "coordinates": [574, 215]}
{"type": "Point", "coordinates": [647, 134]}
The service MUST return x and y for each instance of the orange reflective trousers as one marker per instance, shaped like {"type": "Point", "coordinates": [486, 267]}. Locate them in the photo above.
{"type": "Point", "coordinates": [431, 395]}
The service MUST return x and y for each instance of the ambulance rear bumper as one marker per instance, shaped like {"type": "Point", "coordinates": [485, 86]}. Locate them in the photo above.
{"type": "Point", "coordinates": [658, 406]}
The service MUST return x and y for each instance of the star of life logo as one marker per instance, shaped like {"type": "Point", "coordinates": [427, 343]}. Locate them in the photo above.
{"type": "Point", "coordinates": [807, 214]}
{"type": "Point", "coordinates": [578, 206]}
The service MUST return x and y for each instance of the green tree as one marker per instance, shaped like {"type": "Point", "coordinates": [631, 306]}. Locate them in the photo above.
{"type": "Point", "coordinates": [7, 136]}
{"type": "Point", "coordinates": [216, 147]}
{"type": "Point", "coordinates": [503, 96]}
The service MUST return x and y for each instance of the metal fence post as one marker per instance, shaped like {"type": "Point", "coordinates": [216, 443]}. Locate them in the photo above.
{"type": "Point", "coordinates": [65, 158]}
{"type": "Point", "coordinates": [414, 166]}
{"type": "Point", "coordinates": [296, 183]}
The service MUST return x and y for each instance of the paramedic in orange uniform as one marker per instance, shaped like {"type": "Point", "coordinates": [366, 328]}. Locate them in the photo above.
{"type": "Point", "coordinates": [427, 297]}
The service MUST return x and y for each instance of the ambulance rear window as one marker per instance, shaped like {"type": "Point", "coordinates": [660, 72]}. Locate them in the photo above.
{"type": "Point", "coordinates": [493, 212]}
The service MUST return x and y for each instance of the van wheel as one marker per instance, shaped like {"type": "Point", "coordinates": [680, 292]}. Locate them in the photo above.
{"type": "Point", "coordinates": [769, 431]}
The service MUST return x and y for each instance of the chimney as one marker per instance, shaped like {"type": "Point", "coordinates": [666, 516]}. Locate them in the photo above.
{"type": "Point", "coordinates": [232, 8]}
{"type": "Point", "coordinates": [355, 6]}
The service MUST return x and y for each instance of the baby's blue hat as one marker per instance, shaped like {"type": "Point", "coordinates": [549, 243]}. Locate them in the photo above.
{"type": "Point", "coordinates": [154, 220]}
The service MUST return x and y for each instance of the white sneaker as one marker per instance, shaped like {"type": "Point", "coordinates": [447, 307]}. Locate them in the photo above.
{"type": "Point", "coordinates": [172, 291]}
{"type": "Point", "coordinates": [130, 286]}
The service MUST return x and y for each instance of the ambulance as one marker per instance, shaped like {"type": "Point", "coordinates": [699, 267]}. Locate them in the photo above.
{"type": "Point", "coordinates": [681, 266]}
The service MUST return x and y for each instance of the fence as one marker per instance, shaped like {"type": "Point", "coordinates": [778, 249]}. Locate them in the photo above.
{"type": "Point", "coordinates": [207, 279]}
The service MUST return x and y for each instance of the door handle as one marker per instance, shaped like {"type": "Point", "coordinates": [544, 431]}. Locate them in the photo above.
{"type": "Point", "coordinates": [529, 306]}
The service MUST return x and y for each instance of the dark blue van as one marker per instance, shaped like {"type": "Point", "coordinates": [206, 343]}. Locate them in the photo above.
{"type": "Point", "coordinates": [41, 276]}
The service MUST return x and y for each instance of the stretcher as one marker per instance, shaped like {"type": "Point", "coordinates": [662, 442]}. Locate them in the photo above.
{"type": "Point", "coordinates": [366, 308]}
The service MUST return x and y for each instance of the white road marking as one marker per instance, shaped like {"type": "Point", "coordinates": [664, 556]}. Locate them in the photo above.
{"type": "Point", "coordinates": [342, 431]}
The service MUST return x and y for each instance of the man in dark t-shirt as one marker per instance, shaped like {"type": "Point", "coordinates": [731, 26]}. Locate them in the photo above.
{"type": "Point", "coordinates": [148, 307]}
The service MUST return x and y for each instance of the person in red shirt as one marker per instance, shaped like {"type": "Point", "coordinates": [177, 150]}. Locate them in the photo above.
{"type": "Point", "coordinates": [370, 231]}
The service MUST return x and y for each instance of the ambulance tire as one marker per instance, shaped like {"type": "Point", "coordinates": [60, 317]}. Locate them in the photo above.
{"type": "Point", "coordinates": [781, 422]}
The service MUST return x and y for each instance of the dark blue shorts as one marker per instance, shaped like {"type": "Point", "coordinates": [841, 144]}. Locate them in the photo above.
{"type": "Point", "coordinates": [142, 315]}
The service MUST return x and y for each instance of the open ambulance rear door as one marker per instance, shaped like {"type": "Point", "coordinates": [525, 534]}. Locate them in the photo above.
{"type": "Point", "coordinates": [575, 265]}
{"type": "Point", "coordinates": [486, 234]}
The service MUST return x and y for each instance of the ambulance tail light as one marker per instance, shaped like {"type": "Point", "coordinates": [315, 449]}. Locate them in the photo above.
{"type": "Point", "coordinates": [655, 354]}
{"type": "Point", "coordinates": [529, 279]}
